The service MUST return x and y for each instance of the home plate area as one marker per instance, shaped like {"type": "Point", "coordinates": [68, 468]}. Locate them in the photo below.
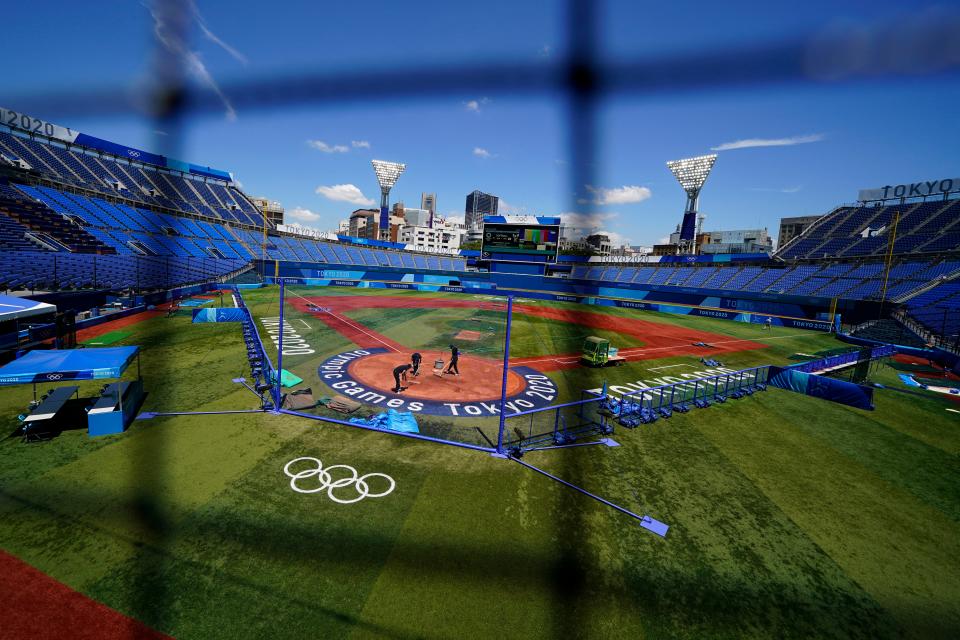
{"type": "Point", "coordinates": [366, 375]}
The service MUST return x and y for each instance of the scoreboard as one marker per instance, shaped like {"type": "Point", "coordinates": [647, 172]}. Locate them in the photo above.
{"type": "Point", "coordinates": [527, 236]}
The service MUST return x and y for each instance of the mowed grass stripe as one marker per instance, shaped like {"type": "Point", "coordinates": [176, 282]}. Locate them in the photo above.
{"type": "Point", "coordinates": [100, 496]}
{"type": "Point", "coordinates": [504, 560]}
{"type": "Point", "coordinates": [265, 553]}
{"type": "Point", "coordinates": [733, 565]}
{"type": "Point", "coordinates": [870, 438]}
{"type": "Point", "coordinates": [900, 549]}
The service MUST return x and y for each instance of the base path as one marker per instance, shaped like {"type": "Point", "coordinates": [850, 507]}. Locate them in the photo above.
{"type": "Point", "coordinates": [34, 605]}
{"type": "Point", "coordinates": [480, 378]}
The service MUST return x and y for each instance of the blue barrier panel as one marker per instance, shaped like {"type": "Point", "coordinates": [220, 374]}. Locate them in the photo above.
{"type": "Point", "coordinates": [840, 391]}
{"type": "Point", "coordinates": [219, 314]}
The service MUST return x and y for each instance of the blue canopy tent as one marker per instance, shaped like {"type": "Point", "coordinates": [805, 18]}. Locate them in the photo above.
{"type": "Point", "coordinates": [17, 315]}
{"type": "Point", "coordinates": [56, 365]}
{"type": "Point", "coordinates": [108, 414]}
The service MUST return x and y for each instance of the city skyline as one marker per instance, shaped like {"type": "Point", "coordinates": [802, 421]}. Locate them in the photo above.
{"type": "Point", "coordinates": [784, 151]}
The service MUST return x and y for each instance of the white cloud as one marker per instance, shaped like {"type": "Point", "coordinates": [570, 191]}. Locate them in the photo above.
{"type": "Point", "coordinates": [749, 143]}
{"type": "Point", "coordinates": [617, 195]}
{"type": "Point", "coordinates": [345, 193]}
{"type": "Point", "coordinates": [320, 145]}
{"type": "Point", "coordinates": [454, 218]}
{"type": "Point", "coordinates": [480, 152]}
{"type": "Point", "coordinates": [360, 144]}
{"type": "Point", "coordinates": [299, 213]}
{"type": "Point", "coordinates": [212, 37]}
{"type": "Point", "coordinates": [171, 38]}
{"type": "Point", "coordinates": [664, 240]}
{"type": "Point", "coordinates": [475, 105]}
{"type": "Point", "coordinates": [587, 222]}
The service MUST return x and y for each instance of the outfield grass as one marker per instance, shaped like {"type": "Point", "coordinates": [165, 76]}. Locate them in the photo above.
{"type": "Point", "coordinates": [790, 517]}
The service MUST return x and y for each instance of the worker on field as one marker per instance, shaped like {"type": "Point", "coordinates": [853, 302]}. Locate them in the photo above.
{"type": "Point", "coordinates": [415, 360]}
{"type": "Point", "coordinates": [398, 374]}
{"type": "Point", "coordinates": [454, 357]}
{"type": "Point", "coordinates": [769, 323]}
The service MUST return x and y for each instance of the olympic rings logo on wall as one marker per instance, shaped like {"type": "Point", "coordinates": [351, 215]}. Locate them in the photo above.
{"type": "Point", "coordinates": [326, 481]}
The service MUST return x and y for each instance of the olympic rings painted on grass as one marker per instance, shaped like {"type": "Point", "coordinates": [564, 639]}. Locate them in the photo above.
{"type": "Point", "coordinates": [328, 484]}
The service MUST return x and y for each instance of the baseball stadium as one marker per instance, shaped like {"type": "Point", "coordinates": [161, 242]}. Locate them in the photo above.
{"type": "Point", "coordinates": [219, 425]}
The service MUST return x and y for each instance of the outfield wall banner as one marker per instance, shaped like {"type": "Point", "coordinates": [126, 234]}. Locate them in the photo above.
{"type": "Point", "coordinates": [840, 391]}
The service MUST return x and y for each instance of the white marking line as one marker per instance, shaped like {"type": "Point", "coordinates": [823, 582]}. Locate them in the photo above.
{"type": "Point", "coordinates": [952, 410]}
{"type": "Point", "coordinates": [362, 330]}
{"type": "Point", "coordinates": [669, 366]}
{"type": "Point", "coordinates": [348, 323]}
{"type": "Point", "coordinates": [626, 353]}
{"type": "Point", "coordinates": [304, 323]}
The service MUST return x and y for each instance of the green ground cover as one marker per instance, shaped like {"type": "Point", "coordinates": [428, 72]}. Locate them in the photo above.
{"type": "Point", "coordinates": [790, 517]}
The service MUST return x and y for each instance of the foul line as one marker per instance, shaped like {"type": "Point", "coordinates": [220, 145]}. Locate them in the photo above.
{"type": "Point", "coordinates": [346, 322]}
{"type": "Point", "coordinates": [669, 366]}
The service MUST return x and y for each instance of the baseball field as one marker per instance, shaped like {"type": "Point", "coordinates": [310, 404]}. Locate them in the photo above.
{"type": "Point", "coordinates": [789, 516]}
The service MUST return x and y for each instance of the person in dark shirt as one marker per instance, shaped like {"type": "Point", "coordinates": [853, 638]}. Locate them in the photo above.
{"type": "Point", "coordinates": [454, 358]}
{"type": "Point", "coordinates": [398, 373]}
{"type": "Point", "coordinates": [415, 359]}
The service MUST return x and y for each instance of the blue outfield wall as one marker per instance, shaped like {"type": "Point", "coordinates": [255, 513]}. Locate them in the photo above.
{"type": "Point", "coordinates": [789, 311]}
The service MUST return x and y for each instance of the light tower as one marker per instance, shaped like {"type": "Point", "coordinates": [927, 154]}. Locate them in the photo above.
{"type": "Point", "coordinates": [387, 175]}
{"type": "Point", "coordinates": [691, 173]}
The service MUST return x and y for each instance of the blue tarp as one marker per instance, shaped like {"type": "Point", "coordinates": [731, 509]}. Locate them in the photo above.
{"type": "Point", "coordinates": [392, 420]}
{"type": "Point", "coordinates": [219, 314]}
{"type": "Point", "coordinates": [57, 365]}
{"type": "Point", "coordinates": [848, 393]}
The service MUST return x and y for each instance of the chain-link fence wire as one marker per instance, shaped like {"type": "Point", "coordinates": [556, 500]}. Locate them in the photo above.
{"type": "Point", "coordinates": [919, 46]}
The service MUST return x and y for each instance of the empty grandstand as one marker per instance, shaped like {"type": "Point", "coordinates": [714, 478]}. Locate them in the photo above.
{"type": "Point", "coordinates": [77, 212]}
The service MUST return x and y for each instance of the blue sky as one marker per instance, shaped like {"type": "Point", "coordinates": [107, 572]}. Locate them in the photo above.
{"type": "Point", "coordinates": [833, 139]}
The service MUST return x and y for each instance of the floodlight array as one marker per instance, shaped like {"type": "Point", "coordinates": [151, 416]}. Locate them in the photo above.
{"type": "Point", "coordinates": [691, 173]}
{"type": "Point", "coordinates": [387, 172]}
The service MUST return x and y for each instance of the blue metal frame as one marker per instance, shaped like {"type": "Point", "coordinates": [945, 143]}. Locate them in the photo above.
{"type": "Point", "coordinates": [562, 434]}
{"type": "Point", "coordinates": [279, 373]}
{"type": "Point", "coordinates": [666, 399]}
{"type": "Point", "coordinates": [506, 370]}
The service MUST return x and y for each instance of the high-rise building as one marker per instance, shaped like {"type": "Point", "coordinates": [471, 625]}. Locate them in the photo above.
{"type": "Point", "coordinates": [363, 223]}
{"type": "Point", "coordinates": [428, 201]}
{"type": "Point", "coordinates": [479, 204]}
{"type": "Point", "coordinates": [792, 227]}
